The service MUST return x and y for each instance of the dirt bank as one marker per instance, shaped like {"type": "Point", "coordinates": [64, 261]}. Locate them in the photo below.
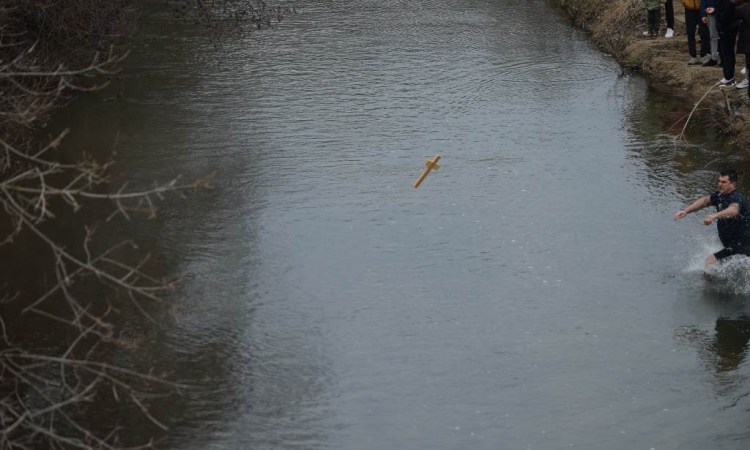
{"type": "Point", "coordinates": [617, 27]}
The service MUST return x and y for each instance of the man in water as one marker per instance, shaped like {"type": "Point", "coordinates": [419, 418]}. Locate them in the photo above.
{"type": "Point", "coordinates": [732, 217]}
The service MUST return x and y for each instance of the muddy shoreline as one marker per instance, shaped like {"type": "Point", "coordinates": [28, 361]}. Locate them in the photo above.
{"type": "Point", "coordinates": [616, 27]}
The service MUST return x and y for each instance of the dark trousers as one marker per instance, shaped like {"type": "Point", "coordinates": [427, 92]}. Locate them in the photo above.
{"type": "Point", "coordinates": [747, 66]}
{"type": "Point", "coordinates": [654, 17]}
{"type": "Point", "coordinates": [727, 41]}
{"type": "Point", "coordinates": [669, 11]}
{"type": "Point", "coordinates": [693, 20]}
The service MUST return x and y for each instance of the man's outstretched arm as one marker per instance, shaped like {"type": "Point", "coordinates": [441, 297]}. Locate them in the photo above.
{"type": "Point", "coordinates": [695, 206]}
{"type": "Point", "coordinates": [730, 211]}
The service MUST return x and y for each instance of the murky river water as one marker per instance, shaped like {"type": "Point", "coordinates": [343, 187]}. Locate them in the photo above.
{"type": "Point", "coordinates": [532, 294]}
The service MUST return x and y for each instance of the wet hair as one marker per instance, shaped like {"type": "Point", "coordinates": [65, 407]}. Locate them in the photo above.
{"type": "Point", "coordinates": [731, 173]}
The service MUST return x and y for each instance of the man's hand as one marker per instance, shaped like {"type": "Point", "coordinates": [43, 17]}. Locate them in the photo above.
{"type": "Point", "coordinates": [680, 214]}
{"type": "Point", "coordinates": [708, 220]}
{"type": "Point", "coordinates": [709, 10]}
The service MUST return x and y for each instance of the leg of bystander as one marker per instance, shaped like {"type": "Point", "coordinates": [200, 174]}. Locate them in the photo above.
{"type": "Point", "coordinates": [669, 11]}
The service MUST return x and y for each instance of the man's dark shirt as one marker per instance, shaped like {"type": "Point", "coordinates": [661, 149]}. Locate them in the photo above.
{"type": "Point", "coordinates": [737, 228]}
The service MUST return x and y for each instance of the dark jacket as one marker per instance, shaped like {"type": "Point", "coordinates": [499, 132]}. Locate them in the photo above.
{"type": "Point", "coordinates": [725, 14]}
{"type": "Point", "coordinates": [743, 13]}
{"type": "Point", "coordinates": [707, 4]}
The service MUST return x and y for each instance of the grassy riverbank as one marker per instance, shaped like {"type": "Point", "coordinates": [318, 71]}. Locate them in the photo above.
{"type": "Point", "coordinates": [616, 26]}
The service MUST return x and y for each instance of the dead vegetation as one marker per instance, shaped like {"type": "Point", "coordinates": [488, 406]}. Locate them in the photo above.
{"type": "Point", "coordinates": [618, 22]}
{"type": "Point", "coordinates": [613, 24]}
{"type": "Point", "coordinates": [57, 336]}
{"type": "Point", "coordinates": [49, 52]}
{"type": "Point", "coordinates": [229, 19]}
{"type": "Point", "coordinates": [617, 26]}
{"type": "Point", "coordinates": [50, 48]}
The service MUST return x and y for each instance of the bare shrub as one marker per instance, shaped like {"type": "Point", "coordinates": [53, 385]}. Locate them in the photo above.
{"type": "Point", "coordinates": [620, 22]}
{"type": "Point", "coordinates": [229, 19]}
{"type": "Point", "coordinates": [49, 47]}
{"type": "Point", "coordinates": [49, 51]}
{"type": "Point", "coordinates": [612, 24]}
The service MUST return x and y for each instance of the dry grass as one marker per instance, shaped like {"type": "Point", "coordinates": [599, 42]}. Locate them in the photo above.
{"type": "Point", "coordinates": [616, 24]}
{"type": "Point", "coordinates": [617, 27]}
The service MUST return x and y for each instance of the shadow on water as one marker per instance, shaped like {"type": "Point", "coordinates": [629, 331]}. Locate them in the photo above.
{"type": "Point", "coordinates": [723, 351]}
{"type": "Point", "coordinates": [722, 345]}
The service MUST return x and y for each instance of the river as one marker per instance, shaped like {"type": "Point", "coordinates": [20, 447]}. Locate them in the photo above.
{"type": "Point", "coordinates": [534, 293]}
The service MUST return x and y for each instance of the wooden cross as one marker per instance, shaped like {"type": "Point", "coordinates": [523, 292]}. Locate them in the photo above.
{"type": "Point", "coordinates": [428, 166]}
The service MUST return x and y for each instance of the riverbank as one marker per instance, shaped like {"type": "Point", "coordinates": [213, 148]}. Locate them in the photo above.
{"type": "Point", "coordinates": [617, 27]}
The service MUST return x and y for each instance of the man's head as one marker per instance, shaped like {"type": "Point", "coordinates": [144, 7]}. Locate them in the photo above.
{"type": "Point", "coordinates": [727, 181]}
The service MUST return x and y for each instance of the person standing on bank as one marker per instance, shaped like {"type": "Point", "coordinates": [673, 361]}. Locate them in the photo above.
{"type": "Point", "coordinates": [693, 21]}
{"type": "Point", "coordinates": [743, 13]}
{"type": "Point", "coordinates": [728, 29]}
{"type": "Point", "coordinates": [732, 217]}
{"type": "Point", "coordinates": [708, 16]}
{"type": "Point", "coordinates": [653, 13]}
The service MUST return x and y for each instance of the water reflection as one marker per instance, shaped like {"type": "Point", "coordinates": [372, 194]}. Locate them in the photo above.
{"type": "Point", "coordinates": [724, 352]}
{"type": "Point", "coordinates": [730, 343]}
{"type": "Point", "coordinates": [682, 168]}
{"type": "Point", "coordinates": [207, 237]}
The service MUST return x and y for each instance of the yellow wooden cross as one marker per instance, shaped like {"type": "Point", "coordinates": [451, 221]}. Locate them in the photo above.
{"type": "Point", "coordinates": [428, 166]}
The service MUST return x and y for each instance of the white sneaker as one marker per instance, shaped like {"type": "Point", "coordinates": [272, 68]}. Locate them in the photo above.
{"type": "Point", "coordinates": [744, 71]}
{"type": "Point", "coordinates": [646, 33]}
{"type": "Point", "coordinates": [742, 84]}
{"type": "Point", "coordinates": [669, 34]}
{"type": "Point", "coordinates": [726, 83]}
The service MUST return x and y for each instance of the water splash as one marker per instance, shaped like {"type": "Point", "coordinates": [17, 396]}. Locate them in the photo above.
{"type": "Point", "coordinates": [702, 247]}
{"type": "Point", "coordinates": [731, 275]}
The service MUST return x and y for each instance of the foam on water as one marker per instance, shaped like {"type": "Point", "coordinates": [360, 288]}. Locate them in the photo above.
{"type": "Point", "coordinates": [731, 275]}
